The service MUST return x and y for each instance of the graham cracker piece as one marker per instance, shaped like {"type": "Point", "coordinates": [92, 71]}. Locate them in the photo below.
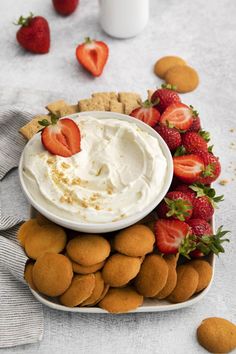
{"type": "Point", "coordinates": [150, 93]}
{"type": "Point", "coordinates": [106, 97]}
{"type": "Point", "coordinates": [66, 110]}
{"type": "Point", "coordinates": [55, 106]}
{"type": "Point", "coordinates": [91, 104]}
{"type": "Point", "coordinates": [130, 106]}
{"type": "Point", "coordinates": [127, 97]}
{"type": "Point", "coordinates": [31, 128]}
{"type": "Point", "coordinates": [115, 106]}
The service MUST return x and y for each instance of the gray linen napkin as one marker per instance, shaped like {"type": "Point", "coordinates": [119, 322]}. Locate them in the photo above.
{"type": "Point", "coordinates": [21, 315]}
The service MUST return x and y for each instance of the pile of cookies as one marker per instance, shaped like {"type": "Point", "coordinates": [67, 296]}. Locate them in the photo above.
{"type": "Point", "coordinates": [113, 272]}
{"type": "Point", "coordinates": [175, 71]}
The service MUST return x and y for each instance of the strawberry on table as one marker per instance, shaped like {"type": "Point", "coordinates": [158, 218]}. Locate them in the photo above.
{"type": "Point", "coordinates": [34, 34]}
{"type": "Point", "coordinates": [92, 55]}
{"type": "Point", "coordinates": [65, 7]}
{"type": "Point", "coordinates": [146, 113]}
{"type": "Point", "coordinates": [188, 168]}
{"type": "Point", "coordinates": [172, 237]}
{"type": "Point", "coordinates": [176, 205]}
{"type": "Point", "coordinates": [193, 142]}
{"type": "Point", "coordinates": [205, 240]}
{"type": "Point", "coordinates": [212, 167]}
{"type": "Point", "coordinates": [61, 137]}
{"type": "Point", "coordinates": [177, 115]}
{"type": "Point", "coordinates": [171, 136]}
{"type": "Point", "coordinates": [164, 97]}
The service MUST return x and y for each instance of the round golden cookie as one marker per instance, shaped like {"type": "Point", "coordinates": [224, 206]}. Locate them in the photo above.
{"type": "Point", "coordinates": [26, 229]}
{"type": "Point", "coordinates": [119, 300]}
{"type": "Point", "coordinates": [152, 276]}
{"type": "Point", "coordinates": [120, 269]}
{"type": "Point", "coordinates": [187, 282]}
{"type": "Point", "coordinates": [97, 291]}
{"type": "Point", "coordinates": [204, 270]}
{"type": "Point", "coordinates": [165, 63]}
{"type": "Point", "coordinates": [171, 259]}
{"type": "Point", "coordinates": [88, 250]}
{"type": "Point", "coordinates": [105, 290]}
{"type": "Point", "coordinates": [79, 269]}
{"type": "Point", "coordinates": [42, 220]}
{"type": "Point", "coordinates": [183, 77]}
{"type": "Point", "coordinates": [217, 335]}
{"type": "Point", "coordinates": [52, 274]}
{"type": "Point", "coordinates": [170, 283]}
{"type": "Point", "coordinates": [135, 241]}
{"type": "Point", "coordinates": [81, 288]}
{"type": "Point", "coordinates": [29, 275]}
{"type": "Point", "coordinates": [45, 238]}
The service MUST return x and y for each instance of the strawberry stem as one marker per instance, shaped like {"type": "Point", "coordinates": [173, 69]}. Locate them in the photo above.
{"type": "Point", "coordinates": [24, 21]}
{"type": "Point", "coordinates": [169, 87]}
{"type": "Point", "coordinates": [213, 243]}
{"type": "Point", "coordinates": [194, 111]}
{"type": "Point", "coordinates": [88, 40]}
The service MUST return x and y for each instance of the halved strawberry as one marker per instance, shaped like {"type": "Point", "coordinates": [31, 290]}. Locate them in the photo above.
{"type": "Point", "coordinates": [146, 113]}
{"type": "Point", "coordinates": [62, 137]}
{"type": "Point", "coordinates": [188, 168]}
{"type": "Point", "coordinates": [92, 55]}
{"type": "Point", "coordinates": [177, 115]}
{"type": "Point", "coordinates": [171, 236]}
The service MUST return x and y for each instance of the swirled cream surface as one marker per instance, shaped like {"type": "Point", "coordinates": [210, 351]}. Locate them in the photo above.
{"type": "Point", "coordinates": [119, 171]}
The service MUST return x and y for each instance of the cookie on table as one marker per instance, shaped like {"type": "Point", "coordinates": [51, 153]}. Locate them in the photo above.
{"type": "Point", "coordinates": [135, 241]}
{"type": "Point", "coordinates": [88, 250]}
{"type": "Point", "coordinates": [120, 269]}
{"type": "Point", "coordinates": [187, 282]}
{"type": "Point", "coordinates": [81, 288]}
{"type": "Point", "coordinates": [183, 77]}
{"type": "Point", "coordinates": [120, 300]}
{"type": "Point", "coordinates": [45, 238]}
{"type": "Point", "coordinates": [204, 270]}
{"type": "Point", "coordinates": [29, 276]}
{"type": "Point", "coordinates": [97, 291]}
{"type": "Point", "coordinates": [217, 335]}
{"type": "Point", "coordinates": [165, 63]}
{"type": "Point", "coordinates": [31, 128]}
{"type": "Point", "coordinates": [152, 276]}
{"type": "Point", "coordinates": [91, 104]}
{"type": "Point", "coordinates": [52, 274]}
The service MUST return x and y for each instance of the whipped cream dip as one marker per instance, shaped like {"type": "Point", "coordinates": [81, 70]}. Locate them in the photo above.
{"type": "Point", "coordinates": [119, 171]}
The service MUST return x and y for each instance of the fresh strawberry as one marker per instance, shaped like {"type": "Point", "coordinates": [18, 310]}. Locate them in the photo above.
{"type": "Point", "coordinates": [202, 209]}
{"type": "Point", "coordinates": [185, 189]}
{"type": "Point", "coordinates": [164, 97]}
{"type": "Point", "coordinates": [61, 137]}
{"type": "Point", "coordinates": [172, 236]}
{"type": "Point", "coordinates": [171, 136]}
{"type": "Point", "coordinates": [196, 125]}
{"type": "Point", "coordinates": [146, 113]}
{"type": "Point", "coordinates": [212, 167]}
{"type": "Point", "coordinates": [92, 55]}
{"type": "Point", "coordinates": [193, 142]}
{"type": "Point", "coordinates": [65, 7]}
{"type": "Point", "coordinates": [178, 116]}
{"type": "Point", "coordinates": [204, 239]}
{"type": "Point", "coordinates": [176, 205]}
{"type": "Point", "coordinates": [188, 168]}
{"type": "Point", "coordinates": [34, 34]}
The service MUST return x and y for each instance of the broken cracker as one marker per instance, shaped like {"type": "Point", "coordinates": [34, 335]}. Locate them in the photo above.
{"type": "Point", "coordinates": [68, 109]}
{"type": "Point", "coordinates": [91, 104]}
{"type": "Point", "coordinates": [106, 97]}
{"type": "Point", "coordinates": [130, 106]}
{"type": "Point", "coordinates": [127, 97]}
{"type": "Point", "coordinates": [115, 106]}
{"type": "Point", "coordinates": [55, 106]}
{"type": "Point", "coordinates": [31, 128]}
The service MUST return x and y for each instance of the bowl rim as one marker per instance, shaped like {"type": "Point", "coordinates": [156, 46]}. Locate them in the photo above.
{"type": "Point", "coordinates": [114, 225]}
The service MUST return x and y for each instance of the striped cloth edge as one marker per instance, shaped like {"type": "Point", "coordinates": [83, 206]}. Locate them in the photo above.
{"type": "Point", "coordinates": [21, 315]}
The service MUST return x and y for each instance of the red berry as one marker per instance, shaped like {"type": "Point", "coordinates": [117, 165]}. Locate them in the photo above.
{"type": "Point", "coordinates": [199, 228]}
{"type": "Point", "coordinates": [65, 7]}
{"type": "Point", "coordinates": [178, 116]}
{"type": "Point", "coordinates": [196, 125]}
{"type": "Point", "coordinates": [193, 142]}
{"type": "Point", "coordinates": [163, 98]}
{"type": "Point", "coordinates": [212, 167]}
{"type": "Point", "coordinates": [147, 114]}
{"type": "Point", "coordinates": [202, 208]}
{"type": "Point", "coordinates": [185, 189]}
{"type": "Point", "coordinates": [171, 136]}
{"type": "Point", "coordinates": [176, 205]}
{"type": "Point", "coordinates": [188, 168]}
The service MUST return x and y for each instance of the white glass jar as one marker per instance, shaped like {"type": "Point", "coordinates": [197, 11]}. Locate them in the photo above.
{"type": "Point", "coordinates": [123, 18]}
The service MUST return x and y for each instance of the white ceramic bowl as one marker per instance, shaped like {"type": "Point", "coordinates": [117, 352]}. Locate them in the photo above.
{"type": "Point", "coordinates": [116, 225]}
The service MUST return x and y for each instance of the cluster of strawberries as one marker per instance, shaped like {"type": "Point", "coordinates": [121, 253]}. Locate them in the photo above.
{"type": "Point", "coordinates": [184, 215]}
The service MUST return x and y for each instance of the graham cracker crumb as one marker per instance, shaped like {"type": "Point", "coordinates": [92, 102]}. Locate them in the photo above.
{"type": "Point", "coordinates": [223, 182]}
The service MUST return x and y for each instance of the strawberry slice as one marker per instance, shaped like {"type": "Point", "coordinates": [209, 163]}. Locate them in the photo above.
{"type": "Point", "coordinates": [92, 55]}
{"type": "Point", "coordinates": [178, 116]}
{"type": "Point", "coordinates": [146, 113]}
{"type": "Point", "coordinates": [170, 236]}
{"type": "Point", "coordinates": [62, 137]}
{"type": "Point", "coordinates": [188, 168]}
